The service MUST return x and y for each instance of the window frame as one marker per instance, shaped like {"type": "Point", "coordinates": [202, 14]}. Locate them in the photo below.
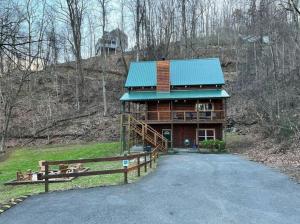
{"type": "Point", "coordinates": [197, 107]}
{"type": "Point", "coordinates": [205, 134]}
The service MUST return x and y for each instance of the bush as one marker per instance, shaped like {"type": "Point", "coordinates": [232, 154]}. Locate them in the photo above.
{"type": "Point", "coordinates": [214, 145]}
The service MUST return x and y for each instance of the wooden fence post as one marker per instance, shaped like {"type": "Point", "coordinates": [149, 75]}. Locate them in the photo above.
{"type": "Point", "coordinates": [145, 158]}
{"type": "Point", "coordinates": [125, 175]}
{"type": "Point", "coordinates": [46, 177]}
{"type": "Point", "coordinates": [126, 171]}
{"type": "Point", "coordinates": [139, 168]}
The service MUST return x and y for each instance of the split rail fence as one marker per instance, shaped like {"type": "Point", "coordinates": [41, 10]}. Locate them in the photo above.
{"type": "Point", "coordinates": [148, 158]}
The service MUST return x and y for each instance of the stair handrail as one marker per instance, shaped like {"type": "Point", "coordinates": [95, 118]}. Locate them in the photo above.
{"type": "Point", "coordinates": [148, 127]}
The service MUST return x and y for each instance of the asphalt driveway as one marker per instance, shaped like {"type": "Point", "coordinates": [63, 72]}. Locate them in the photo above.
{"type": "Point", "coordinates": [186, 188]}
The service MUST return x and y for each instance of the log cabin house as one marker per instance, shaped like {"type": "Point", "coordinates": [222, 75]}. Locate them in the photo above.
{"type": "Point", "coordinates": [174, 103]}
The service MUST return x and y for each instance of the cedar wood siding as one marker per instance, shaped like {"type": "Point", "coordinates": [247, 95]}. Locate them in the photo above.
{"type": "Point", "coordinates": [163, 76]}
{"type": "Point", "coordinates": [181, 132]}
{"type": "Point", "coordinates": [188, 131]}
{"type": "Point", "coordinates": [161, 106]}
{"type": "Point", "coordinates": [180, 105]}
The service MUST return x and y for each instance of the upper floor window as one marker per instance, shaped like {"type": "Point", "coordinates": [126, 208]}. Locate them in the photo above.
{"type": "Point", "coordinates": [204, 106]}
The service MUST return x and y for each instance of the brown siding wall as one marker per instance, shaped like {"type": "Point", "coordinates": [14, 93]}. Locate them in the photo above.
{"type": "Point", "coordinates": [164, 106]}
{"type": "Point", "coordinates": [218, 104]}
{"type": "Point", "coordinates": [163, 76]}
{"type": "Point", "coordinates": [181, 105]}
{"type": "Point", "coordinates": [161, 106]}
{"type": "Point", "coordinates": [190, 105]}
{"type": "Point", "coordinates": [181, 132]}
{"type": "Point", "coordinates": [159, 127]}
{"type": "Point", "coordinates": [152, 105]}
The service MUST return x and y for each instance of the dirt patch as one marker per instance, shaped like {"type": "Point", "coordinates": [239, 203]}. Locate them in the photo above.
{"type": "Point", "coordinates": [285, 155]}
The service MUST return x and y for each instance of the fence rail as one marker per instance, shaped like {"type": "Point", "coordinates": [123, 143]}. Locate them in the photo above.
{"type": "Point", "coordinates": [149, 158]}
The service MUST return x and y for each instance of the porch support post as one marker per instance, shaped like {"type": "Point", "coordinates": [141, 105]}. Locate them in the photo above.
{"type": "Point", "coordinates": [197, 138]}
{"type": "Point", "coordinates": [197, 109]}
{"type": "Point", "coordinates": [172, 125]}
{"type": "Point", "coordinates": [171, 106]}
{"type": "Point", "coordinates": [224, 114]}
{"type": "Point", "coordinates": [172, 135]}
{"type": "Point", "coordinates": [123, 128]}
{"type": "Point", "coordinates": [146, 113]}
{"type": "Point", "coordinates": [138, 110]}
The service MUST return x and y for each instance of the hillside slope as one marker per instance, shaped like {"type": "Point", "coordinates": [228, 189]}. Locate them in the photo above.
{"type": "Point", "coordinates": [47, 112]}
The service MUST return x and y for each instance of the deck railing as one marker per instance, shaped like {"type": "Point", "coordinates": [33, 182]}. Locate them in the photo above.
{"type": "Point", "coordinates": [180, 115]}
{"type": "Point", "coordinates": [148, 133]}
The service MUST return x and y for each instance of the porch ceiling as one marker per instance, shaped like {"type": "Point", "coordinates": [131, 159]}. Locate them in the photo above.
{"type": "Point", "coordinates": [174, 95]}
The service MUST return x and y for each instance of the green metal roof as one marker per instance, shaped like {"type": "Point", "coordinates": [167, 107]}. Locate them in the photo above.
{"type": "Point", "coordinates": [174, 94]}
{"type": "Point", "coordinates": [182, 72]}
{"type": "Point", "coordinates": [141, 74]}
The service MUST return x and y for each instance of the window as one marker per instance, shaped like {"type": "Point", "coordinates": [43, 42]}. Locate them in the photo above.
{"type": "Point", "coordinates": [205, 110]}
{"type": "Point", "coordinates": [206, 134]}
{"type": "Point", "coordinates": [204, 106]}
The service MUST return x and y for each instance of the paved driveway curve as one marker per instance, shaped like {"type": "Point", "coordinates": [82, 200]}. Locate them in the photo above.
{"type": "Point", "coordinates": [186, 188]}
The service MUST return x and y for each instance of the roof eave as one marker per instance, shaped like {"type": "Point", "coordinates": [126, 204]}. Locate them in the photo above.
{"type": "Point", "coordinates": [201, 84]}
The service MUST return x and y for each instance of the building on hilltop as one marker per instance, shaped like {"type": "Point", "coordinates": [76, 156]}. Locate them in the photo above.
{"type": "Point", "coordinates": [112, 42]}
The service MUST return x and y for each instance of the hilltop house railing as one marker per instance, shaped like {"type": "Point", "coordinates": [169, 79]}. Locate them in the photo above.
{"type": "Point", "coordinates": [180, 115]}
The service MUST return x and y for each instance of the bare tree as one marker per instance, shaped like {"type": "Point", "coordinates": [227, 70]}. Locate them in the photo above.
{"type": "Point", "coordinates": [183, 28]}
{"type": "Point", "coordinates": [295, 4]}
{"type": "Point", "coordinates": [18, 64]}
{"type": "Point", "coordinates": [139, 16]}
{"type": "Point", "coordinates": [73, 15]}
{"type": "Point", "coordinates": [104, 4]}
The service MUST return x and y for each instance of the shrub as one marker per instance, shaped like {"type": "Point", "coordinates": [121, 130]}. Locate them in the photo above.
{"type": "Point", "coordinates": [214, 145]}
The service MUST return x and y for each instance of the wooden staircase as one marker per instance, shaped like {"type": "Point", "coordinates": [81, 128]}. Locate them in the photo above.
{"type": "Point", "coordinates": [146, 132]}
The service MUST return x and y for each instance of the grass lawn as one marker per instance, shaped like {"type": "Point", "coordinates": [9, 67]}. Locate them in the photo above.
{"type": "Point", "coordinates": [236, 143]}
{"type": "Point", "coordinates": [27, 158]}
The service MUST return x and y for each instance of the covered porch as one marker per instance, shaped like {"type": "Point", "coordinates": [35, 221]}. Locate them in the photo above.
{"type": "Point", "coordinates": [178, 111]}
{"type": "Point", "coordinates": [190, 106]}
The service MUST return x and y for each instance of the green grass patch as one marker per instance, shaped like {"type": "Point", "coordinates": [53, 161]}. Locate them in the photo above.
{"type": "Point", "coordinates": [27, 158]}
{"type": "Point", "coordinates": [236, 143]}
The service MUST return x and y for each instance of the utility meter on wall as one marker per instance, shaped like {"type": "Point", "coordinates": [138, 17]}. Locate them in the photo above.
{"type": "Point", "coordinates": [186, 142]}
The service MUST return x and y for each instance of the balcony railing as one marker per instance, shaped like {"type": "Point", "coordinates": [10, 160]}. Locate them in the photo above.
{"type": "Point", "coordinates": [180, 115]}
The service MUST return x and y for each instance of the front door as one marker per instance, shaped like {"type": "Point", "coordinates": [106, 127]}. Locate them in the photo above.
{"type": "Point", "coordinates": [167, 133]}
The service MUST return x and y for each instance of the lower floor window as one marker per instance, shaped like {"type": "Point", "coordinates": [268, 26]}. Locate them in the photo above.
{"type": "Point", "coordinates": [206, 134]}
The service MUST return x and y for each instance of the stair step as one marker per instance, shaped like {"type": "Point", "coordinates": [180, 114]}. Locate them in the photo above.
{"type": "Point", "coordinates": [138, 126]}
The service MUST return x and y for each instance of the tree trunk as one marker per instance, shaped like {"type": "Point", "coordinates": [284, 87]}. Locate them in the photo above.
{"type": "Point", "coordinates": [137, 30]}
{"type": "Point", "coordinates": [104, 94]}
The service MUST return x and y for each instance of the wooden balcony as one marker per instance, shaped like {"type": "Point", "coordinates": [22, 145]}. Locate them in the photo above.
{"type": "Point", "coordinates": [155, 117]}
